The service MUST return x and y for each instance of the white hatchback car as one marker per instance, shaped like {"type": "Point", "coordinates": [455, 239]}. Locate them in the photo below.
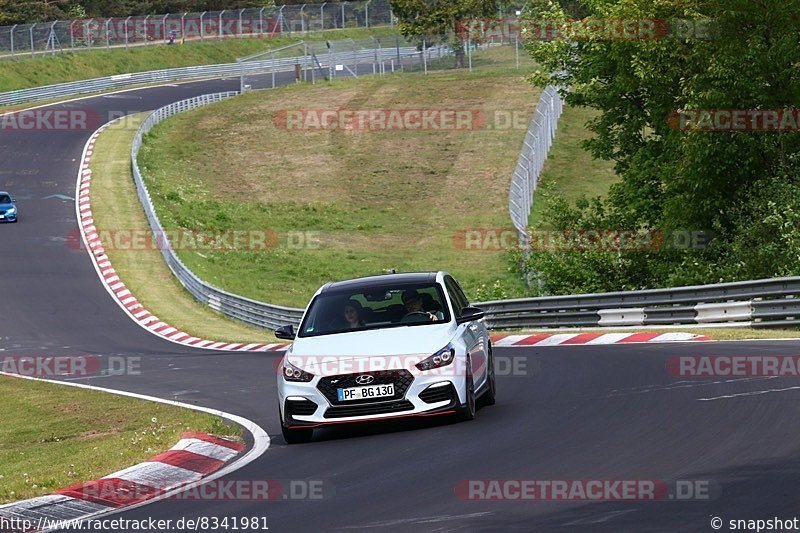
{"type": "Point", "coordinates": [381, 347]}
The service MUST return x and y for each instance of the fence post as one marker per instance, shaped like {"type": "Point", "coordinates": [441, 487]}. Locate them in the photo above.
{"type": "Point", "coordinates": [331, 60]}
{"type": "Point", "coordinates": [71, 37]}
{"type": "Point", "coordinates": [202, 30]}
{"type": "Point", "coordinates": [241, 12]}
{"type": "Point", "coordinates": [280, 19]}
{"type": "Point", "coordinates": [424, 56]}
{"type": "Point", "coordinates": [261, 20]}
{"type": "Point", "coordinates": [164, 28]}
{"type": "Point", "coordinates": [145, 28]}
{"type": "Point", "coordinates": [344, 24]}
{"type": "Point", "coordinates": [127, 20]}
{"type": "Point", "coordinates": [366, 14]}
{"type": "Point", "coordinates": [12, 38]}
{"type": "Point", "coordinates": [31, 33]}
{"type": "Point", "coordinates": [397, 46]}
{"type": "Point", "coordinates": [322, 16]}
{"type": "Point", "coordinates": [219, 26]}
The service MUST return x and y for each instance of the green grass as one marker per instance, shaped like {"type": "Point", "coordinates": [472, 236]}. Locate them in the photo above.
{"type": "Point", "coordinates": [25, 72]}
{"type": "Point", "coordinates": [54, 436]}
{"type": "Point", "coordinates": [570, 170]}
{"type": "Point", "coordinates": [375, 201]}
{"type": "Point", "coordinates": [115, 206]}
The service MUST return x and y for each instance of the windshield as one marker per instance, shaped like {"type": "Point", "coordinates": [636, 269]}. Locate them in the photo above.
{"type": "Point", "coordinates": [5, 199]}
{"type": "Point", "coordinates": [375, 307]}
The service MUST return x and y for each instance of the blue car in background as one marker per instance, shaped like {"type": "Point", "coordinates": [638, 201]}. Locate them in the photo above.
{"type": "Point", "coordinates": [8, 208]}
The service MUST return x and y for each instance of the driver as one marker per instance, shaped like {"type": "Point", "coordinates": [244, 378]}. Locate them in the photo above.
{"type": "Point", "coordinates": [413, 302]}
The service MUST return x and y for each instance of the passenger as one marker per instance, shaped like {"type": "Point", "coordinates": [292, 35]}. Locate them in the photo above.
{"type": "Point", "coordinates": [353, 314]}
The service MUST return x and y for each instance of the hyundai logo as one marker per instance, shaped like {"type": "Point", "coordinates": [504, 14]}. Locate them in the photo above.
{"type": "Point", "coordinates": [366, 379]}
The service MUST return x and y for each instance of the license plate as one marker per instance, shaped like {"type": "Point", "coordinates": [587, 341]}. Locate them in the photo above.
{"type": "Point", "coordinates": [362, 393]}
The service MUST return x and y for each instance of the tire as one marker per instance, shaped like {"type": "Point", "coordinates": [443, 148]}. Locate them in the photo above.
{"type": "Point", "coordinates": [295, 435]}
{"type": "Point", "coordinates": [488, 397]}
{"type": "Point", "coordinates": [470, 406]}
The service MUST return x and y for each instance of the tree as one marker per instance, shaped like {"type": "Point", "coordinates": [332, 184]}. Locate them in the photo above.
{"type": "Point", "coordinates": [733, 54]}
{"type": "Point", "coordinates": [433, 19]}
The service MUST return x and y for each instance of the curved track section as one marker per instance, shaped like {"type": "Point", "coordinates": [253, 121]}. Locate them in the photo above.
{"type": "Point", "coordinates": [563, 413]}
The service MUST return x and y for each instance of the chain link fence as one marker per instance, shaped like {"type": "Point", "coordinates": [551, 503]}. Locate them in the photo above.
{"type": "Point", "coordinates": [73, 35]}
{"type": "Point", "coordinates": [327, 60]}
{"type": "Point", "coordinates": [538, 140]}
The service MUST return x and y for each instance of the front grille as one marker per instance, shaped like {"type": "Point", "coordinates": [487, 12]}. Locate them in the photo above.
{"type": "Point", "coordinates": [301, 408]}
{"type": "Point", "coordinates": [371, 409]}
{"type": "Point", "coordinates": [402, 380]}
{"type": "Point", "coordinates": [437, 394]}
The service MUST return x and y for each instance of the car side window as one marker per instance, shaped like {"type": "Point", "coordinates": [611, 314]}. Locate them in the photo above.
{"type": "Point", "coordinates": [460, 293]}
{"type": "Point", "coordinates": [456, 298]}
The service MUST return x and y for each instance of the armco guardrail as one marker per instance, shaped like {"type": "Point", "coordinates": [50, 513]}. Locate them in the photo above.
{"type": "Point", "coordinates": [183, 73]}
{"type": "Point", "coordinates": [538, 139]}
{"type": "Point", "coordinates": [760, 303]}
{"type": "Point", "coordinates": [244, 309]}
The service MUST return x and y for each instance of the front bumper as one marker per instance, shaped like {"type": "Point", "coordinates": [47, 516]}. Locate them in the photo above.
{"type": "Point", "coordinates": [308, 405]}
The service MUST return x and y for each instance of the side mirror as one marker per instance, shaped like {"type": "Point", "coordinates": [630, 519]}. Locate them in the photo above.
{"type": "Point", "coordinates": [470, 314]}
{"type": "Point", "coordinates": [285, 332]}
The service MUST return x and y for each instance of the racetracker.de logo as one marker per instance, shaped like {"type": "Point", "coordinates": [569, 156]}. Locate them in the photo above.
{"type": "Point", "coordinates": [584, 490]}
{"type": "Point", "coordinates": [582, 240]}
{"type": "Point", "coordinates": [127, 492]}
{"type": "Point", "coordinates": [588, 29]}
{"type": "Point", "coordinates": [245, 240]}
{"type": "Point", "coordinates": [59, 366]}
{"type": "Point", "coordinates": [362, 120]}
{"type": "Point", "coordinates": [733, 120]}
{"type": "Point", "coordinates": [50, 120]}
{"type": "Point", "coordinates": [702, 366]}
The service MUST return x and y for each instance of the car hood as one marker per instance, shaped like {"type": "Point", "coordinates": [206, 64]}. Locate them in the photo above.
{"type": "Point", "coordinates": [388, 341]}
{"type": "Point", "coordinates": [6, 206]}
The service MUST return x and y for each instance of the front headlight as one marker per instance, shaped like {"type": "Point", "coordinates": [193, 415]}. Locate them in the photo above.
{"type": "Point", "coordinates": [292, 373]}
{"type": "Point", "coordinates": [443, 357]}
{"type": "Point", "coordinates": [12, 211]}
